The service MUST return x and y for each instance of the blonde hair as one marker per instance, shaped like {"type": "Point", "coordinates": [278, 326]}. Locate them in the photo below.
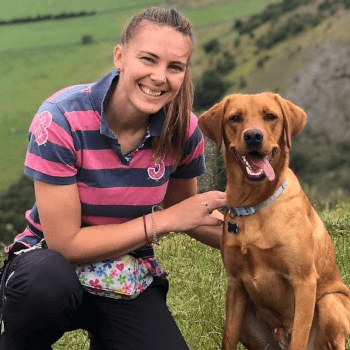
{"type": "Point", "coordinates": [173, 136]}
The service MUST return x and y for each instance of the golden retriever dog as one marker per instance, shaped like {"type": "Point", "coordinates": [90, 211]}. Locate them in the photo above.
{"type": "Point", "coordinates": [279, 258]}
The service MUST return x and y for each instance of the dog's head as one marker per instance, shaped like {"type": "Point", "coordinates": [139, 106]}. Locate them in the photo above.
{"type": "Point", "coordinates": [257, 129]}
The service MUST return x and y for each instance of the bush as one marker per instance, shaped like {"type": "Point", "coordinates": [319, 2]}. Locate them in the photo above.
{"type": "Point", "coordinates": [292, 27]}
{"type": "Point", "coordinates": [86, 39]}
{"type": "Point", "coordinates": [13, 204]}
{"type": "Point", "coordinates": [271, 12]}
{"type": "Point", "coordinates": [242, 83]}
{"type": "Point", "coordinates": [220, 171]}
{"type": "Point", "coordinates": [226, 63]}
{"type": "Point", "coordinates": [261, 62]}
{"type": "Point", "coordinates": [209, 90]}
{"type": "Point", "coordinates": [212, 46]}
{"type": "Point", "coordinates": [346, 3]}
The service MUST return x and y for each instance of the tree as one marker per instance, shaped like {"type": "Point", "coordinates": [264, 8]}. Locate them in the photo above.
{"type": "Point", "coordinates": [209, 90]}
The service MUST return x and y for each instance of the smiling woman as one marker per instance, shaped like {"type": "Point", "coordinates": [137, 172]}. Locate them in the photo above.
{"type": "Point", "coordinates": [152, 70]}
{"type": "Point", "coordinates": [104, 156]}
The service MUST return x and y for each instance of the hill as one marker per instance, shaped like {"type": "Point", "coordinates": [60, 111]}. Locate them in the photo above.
{"type": "Point", "coordinates": [39, 58]}
{"type": "Point", "coordinates": [301, 52]}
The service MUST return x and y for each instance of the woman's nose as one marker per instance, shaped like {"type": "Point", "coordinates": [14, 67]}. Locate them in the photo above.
{"type": "Point", "coordinates": [158, 76]}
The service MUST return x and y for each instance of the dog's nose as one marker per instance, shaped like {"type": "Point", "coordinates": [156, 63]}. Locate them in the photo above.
{"type": "Point", "coordinates": [253, 137]}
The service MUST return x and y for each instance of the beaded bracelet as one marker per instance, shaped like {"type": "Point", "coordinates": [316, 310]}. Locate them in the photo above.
{"type": "Point", "coordinates": [154, 236]}
{"type": "Point", "coordinates": [144, 226]}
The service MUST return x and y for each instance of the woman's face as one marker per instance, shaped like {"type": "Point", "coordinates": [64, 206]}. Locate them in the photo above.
{"type": "Point", "coordinates": [152, 67]}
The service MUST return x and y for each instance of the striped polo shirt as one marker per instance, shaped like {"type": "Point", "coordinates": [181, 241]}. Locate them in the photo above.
{"type": "Point", "coordinates": [70, 142]}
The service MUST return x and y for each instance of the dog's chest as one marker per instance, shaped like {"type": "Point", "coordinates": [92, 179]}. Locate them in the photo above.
{"type": "Point", "coordinates": [255, 259]}
{"type": "Point", "coordinates": [246, 232]}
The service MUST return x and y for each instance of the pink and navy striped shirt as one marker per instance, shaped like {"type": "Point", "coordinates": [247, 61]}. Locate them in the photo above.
{"type": "Point", "coordinates": [70, 142]}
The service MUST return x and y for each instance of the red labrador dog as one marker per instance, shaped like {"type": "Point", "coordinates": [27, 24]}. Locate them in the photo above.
{"type": "Point", "coordinates": [279, 258]}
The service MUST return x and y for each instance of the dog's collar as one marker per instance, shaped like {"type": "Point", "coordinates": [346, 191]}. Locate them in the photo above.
{"type": "Point", "coordinates": [246, 211]}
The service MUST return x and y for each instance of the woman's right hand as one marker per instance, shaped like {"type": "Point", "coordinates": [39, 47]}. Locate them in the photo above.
{"type": "Point", "coordinates": [195, 211]}
{"type": "Point", "coordinates": [187, 210]}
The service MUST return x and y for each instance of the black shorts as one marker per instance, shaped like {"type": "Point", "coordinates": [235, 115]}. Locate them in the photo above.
{"type": "Point", "coordinates": [44, 299]}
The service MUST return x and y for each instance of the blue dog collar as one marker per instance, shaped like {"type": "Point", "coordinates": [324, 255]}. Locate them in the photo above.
{"type": "Point", "coordinates": [246, 211]}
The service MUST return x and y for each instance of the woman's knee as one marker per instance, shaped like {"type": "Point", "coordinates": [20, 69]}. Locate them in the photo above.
{"type": "Point", "coordinates": [44, 282]}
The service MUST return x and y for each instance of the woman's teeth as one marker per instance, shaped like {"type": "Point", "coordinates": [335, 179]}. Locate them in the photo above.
{"type": "Point", "coordinates": [149, 92]}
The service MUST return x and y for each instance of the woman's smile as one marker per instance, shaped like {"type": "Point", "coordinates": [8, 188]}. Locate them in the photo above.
{"type": "Point", "coordinates": [152, 69]}
{"type": "Point", "coordinates": [150, 92]}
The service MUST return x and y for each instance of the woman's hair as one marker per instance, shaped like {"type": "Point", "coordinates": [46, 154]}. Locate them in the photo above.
{"type": "Point", "coordinates": [173, 135]}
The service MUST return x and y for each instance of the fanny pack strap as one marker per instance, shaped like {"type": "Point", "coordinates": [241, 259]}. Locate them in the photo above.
{"type": "Point", "coordinates": [143, 252]}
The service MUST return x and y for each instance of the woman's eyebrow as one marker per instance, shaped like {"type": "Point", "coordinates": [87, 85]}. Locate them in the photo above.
{"type": "Point", "coordinates": [157, 57]}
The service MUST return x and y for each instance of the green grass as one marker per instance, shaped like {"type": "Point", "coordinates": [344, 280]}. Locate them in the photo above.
{"type": "Point", "coordinates": [29, 78]}
{"type": "Point", "coordinates": [40, 58]}
{"type": "Point", "coordinates": [109, 21]}
{"type": "Point", "coordinates": [198, 284]}
{"type": "Point", "coordinates": [24, 8]}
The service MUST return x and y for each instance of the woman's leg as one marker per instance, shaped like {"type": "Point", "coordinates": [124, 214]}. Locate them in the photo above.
{"type": "Point", "coordinates": [43, 295]}
{"type": "Point", "coordinates": [143, 323]}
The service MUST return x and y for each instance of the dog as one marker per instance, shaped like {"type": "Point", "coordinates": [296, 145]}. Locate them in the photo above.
{"type": "Point", "coordinates": [279, 258]}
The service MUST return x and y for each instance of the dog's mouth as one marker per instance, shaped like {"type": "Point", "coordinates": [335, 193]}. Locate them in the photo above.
{"type": "Point", "coordinates": [257, 166]}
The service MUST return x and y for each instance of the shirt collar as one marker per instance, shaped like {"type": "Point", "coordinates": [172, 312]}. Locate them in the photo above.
{"type": "Point", "coordinates": [100, 95]}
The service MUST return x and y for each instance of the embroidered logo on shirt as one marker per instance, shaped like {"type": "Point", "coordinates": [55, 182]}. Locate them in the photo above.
{"type": "Point", "coordinates": [39, 127]}
{"type": "Point", "coordinates": [87, 90]}
{"type": "Point", "coordinates": [158, 171]}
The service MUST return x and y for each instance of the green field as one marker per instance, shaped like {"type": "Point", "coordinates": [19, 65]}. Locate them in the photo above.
{"type": "Point", "coordinates": [37, 59]}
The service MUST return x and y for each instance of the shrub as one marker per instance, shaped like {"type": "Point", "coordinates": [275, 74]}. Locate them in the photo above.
{"type": "Point", "coordinates": [261, 62]}
{"type": "Point", "coordinates": [18, 198]}
{"type": "Point", "coordinates": [271, 12]}
{"type": "Point", "coordinates": [86, 39]}
{"type": "Point", "coordinates": [346, 3]}
{"type": "Point", "coordinates": [209, 89]}
{"type": "Point", "coordinates": [242, 83]}
{"type": "Point", "coordinates": [292, 27]}
{"type": "Point", "coordinates": [226, 63]}
{"type": "Point", "coordinates": [220, 171]}
{"type": "Point", "coordinates": [212, 46]}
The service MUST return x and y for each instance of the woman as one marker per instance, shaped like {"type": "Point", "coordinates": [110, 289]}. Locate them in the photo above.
{"type": "Point", "coordinates": [103, 157]}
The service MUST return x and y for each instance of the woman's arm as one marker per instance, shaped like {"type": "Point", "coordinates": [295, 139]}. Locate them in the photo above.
{"type": "Point", "coordinates": [180, 189]}
{"type": "Point", "coordinates": [60, 216]}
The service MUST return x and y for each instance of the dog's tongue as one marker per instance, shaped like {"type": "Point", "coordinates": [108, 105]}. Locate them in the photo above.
{"type": "Point", "coordinates": [264, 164]}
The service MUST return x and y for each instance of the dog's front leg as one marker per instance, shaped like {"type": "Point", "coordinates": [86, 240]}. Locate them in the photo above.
{"type": "Point", "coordinates": [305, 300]}
{"type": "Point", "coordinates": [236, 307]}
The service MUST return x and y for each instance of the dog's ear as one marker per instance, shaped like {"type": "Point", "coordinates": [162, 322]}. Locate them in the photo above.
{"type": "Point", "coordinates": [294, 118]}
{"type": "Point", "coordinates": [210, 122]}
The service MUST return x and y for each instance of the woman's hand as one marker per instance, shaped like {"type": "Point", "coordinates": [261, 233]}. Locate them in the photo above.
{"type": "Point", "coordinates": [187, 210]}
{"type": "Point", "coordinates": [196, 211]}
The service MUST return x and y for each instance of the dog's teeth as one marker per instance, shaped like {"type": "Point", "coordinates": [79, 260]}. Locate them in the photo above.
{"type": "Point", "coordinates": [246, 163]}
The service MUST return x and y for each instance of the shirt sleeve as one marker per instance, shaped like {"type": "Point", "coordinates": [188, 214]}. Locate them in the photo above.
{"type": "Point", "coordinates": [192, 163]}
{"type": "Point", "coordinates": [51, 153]}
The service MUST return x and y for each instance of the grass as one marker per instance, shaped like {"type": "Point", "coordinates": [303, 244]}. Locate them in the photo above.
{"type": "Point", "coordinates": [29, 78]}
{"type": "Point", "coordinates": [24, 8]}
{"type": "Point", "coordinates": [40, 58]}
{"type": "Point", "coordinates": [198, 284]}
{"type": "Point", "coordinates": [109, 21]}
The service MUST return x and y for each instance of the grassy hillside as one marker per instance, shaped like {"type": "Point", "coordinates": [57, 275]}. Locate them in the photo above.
{"type": "Point", "coordinates": [36, 59]}
{"type": "Point", "coordinates": [270, 68]}
{"type": "Point", "coordinates": [284, 54]}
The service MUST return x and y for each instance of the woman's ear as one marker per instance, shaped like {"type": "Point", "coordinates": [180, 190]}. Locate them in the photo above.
{"type": "Point", "coordinates": [117, 57]}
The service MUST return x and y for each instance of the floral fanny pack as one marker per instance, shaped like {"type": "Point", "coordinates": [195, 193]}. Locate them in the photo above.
{"type": "Point", "coordinates": [120, 278]}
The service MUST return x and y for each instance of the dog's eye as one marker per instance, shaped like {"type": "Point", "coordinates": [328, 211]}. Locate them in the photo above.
{"type": "Point", "coordinates": [270, 117]}
{"type": "Point", "coordinates": [236, 118]}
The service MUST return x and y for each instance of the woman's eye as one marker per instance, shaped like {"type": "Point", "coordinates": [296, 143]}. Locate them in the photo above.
{"type": "Point", "coordinates": [176, 68]}
{"type": "Point", "coordinates": [147, 59]}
